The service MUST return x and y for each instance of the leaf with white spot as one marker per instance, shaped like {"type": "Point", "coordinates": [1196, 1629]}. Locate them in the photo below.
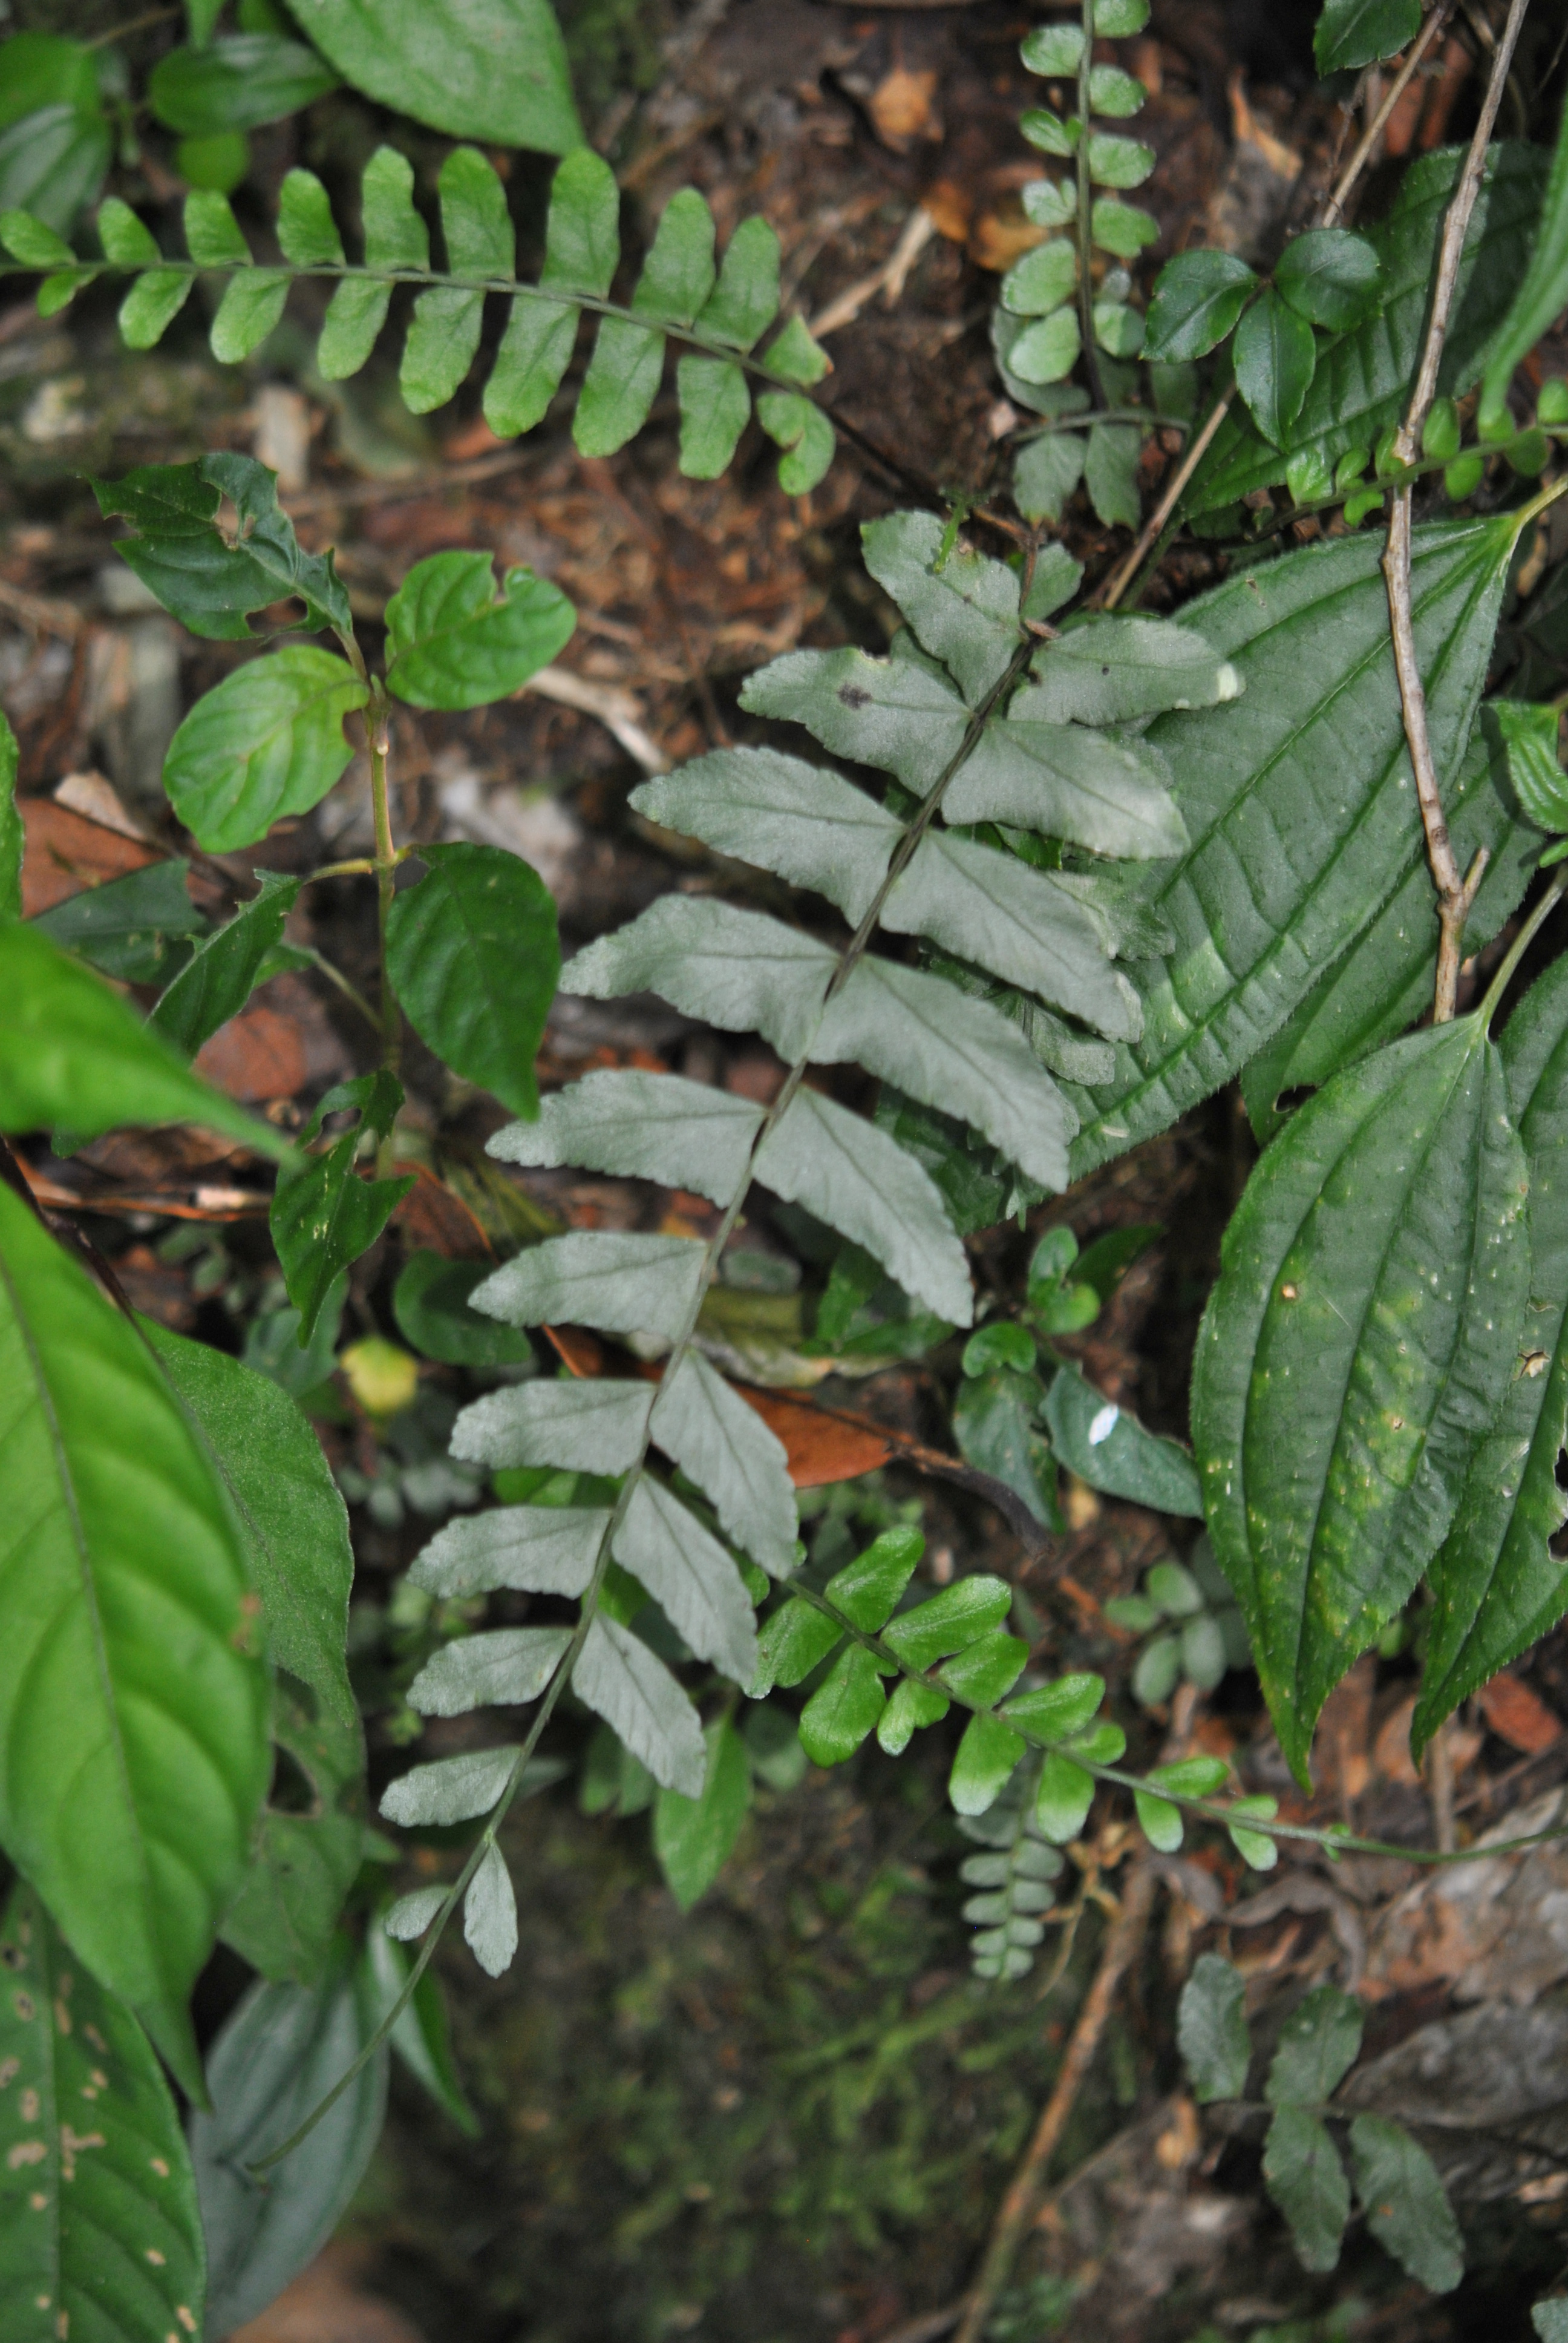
{"type": "Point", "coordinates": [901, 714]}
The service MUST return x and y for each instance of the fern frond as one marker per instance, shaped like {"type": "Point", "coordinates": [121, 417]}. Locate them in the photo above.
{"type": "Point", "coordinates": [979, 722]}
{"type": "Point", "coordinates": [715, 313]}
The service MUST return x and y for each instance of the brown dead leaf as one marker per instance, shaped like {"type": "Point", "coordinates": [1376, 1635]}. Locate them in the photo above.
{"type": "Point", "coordinates": [1340, 1748]}
{"type": "Point", "coordinates": [256, 1057]}
{"type": "Point", "coordinates": [1518, 1715]}
{"type": "Point", "coordinates": [1390, 1750]}
{"type": "Point", "coordinates": [821, 1447]}
{"type": "Point", "coordinates": [1491, 1928]}
{"type": "Point", "coordinates": [431, 1219]}
{"type": "Point", "coordinates": [64, 852]}
{"type": "Point", "coordinates": [902, 108]}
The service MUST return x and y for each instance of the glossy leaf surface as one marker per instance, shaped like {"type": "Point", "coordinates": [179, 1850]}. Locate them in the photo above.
{"type": "Point", "coordinates": [472, 953]}
{"type": "Point", "coordinates": [489, 69]}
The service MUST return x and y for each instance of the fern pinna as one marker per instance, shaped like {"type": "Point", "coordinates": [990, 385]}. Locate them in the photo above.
{"type": "Point", "coordinates": [1015, 769]}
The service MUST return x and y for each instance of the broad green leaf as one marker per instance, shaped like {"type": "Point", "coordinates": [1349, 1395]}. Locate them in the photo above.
{"type": "Point", "coordinates": [965, 613]}
{"type": "Point", "coordinates": [1499, 1587]}
{"type": "Point", "coordinates": [1111, 1451]}
{"type": "Point", "coordinates": [1353, 32]}
{"type": "Point", "coordinates": [494, 70]}
{"type": "Point", "coordinates": [990, 908]}
{"type": "Point", "coordinates": [1159, 1820]}
{"type": "Point", "coordinates": [1047, 348]}
{"type": "Point", "coordinates": [454, 643]}
{"type": "Point", "coordinates": [621, 1283]}
{"type": "Point", "coordinates": [736, 970]}
{"type": "Point", "coordinates": [538, 1549]}
{"type": "Point", "coordinates": [596, 1425]}
{"type": "Point", "coordinates": [1319, 2044]}
{"type": "Point", "coordinates": [101, 2234]}
{"type": "Point", "coordinates": [810, 826]}
{"type": "Point", "coordinates": [620, 1680]}
{"type": "Point", "coordinates": [1256, 934]}
{"type": "Point", "coordinates": [472, 955]}
{"type": "Point", "coordinates": [1529, 735]}
{"type": "Point", "coordinates": [323, 1215]}
{"type": "Point", "coordinates": [475, 222]}
{"type": "Point", "coordinates": [956, 1617]}
{"type": "Point", "coordinates": [1304, 2174]}
{"type": "Point", "coordinates": [452, 1790]}
{"type": "Point", "coordinates": [1383, 982]}
{"type": "Point", "coordinates": [152, 303]}
{"type": "Point", "coordinates": [844, 1708]}
{"type": "Point", "coordinates": [618, 387]}
{"type": "Point", "coordinates": [986, 1671]}
{"type": "Point", "coordinates": [137, 928]}
{"type": "Point", "coordinates": [1211, 2030]}
{"type": "Point", "coordinates": [1354, 1350]}
{"type": "Point", "coordinates": [694, 1837]}
{"type": "Point", "coordinates": [714, 408]}
{"type": "Point", "coordinates": [795, 423]}
{"type": "Point", "coordinates": [443, 337]}
{"type": "Point", "coordinates": [236, 83]}
{"type": "Point", "coordinates": [912, 1707]}
{"type": "Point", "coordinates": [1122, 228]}
{"type": "Point", "coordinates": [133, 1698]}
{"type": "Point", "coordinates": [936, 1044]}
{"type": "Point", "coordinates": [691, 1577]}
{"type": "Point", "coordinates": [395, 235]}
{"type": "Point", "coordinates": [1330, 276]}
{"type": "Point", "coordinates": [294, 1520]}
{"type": "Point", "coordinates": [213, 235]}
{"type": "Point", "coordinates": [305, 228]}
{"type": "Point", "coordinates": [11, 836]}
{"type": "Point", "coordinates": [862, 1182]}
{"type": "Point", "coordinates": [582, 237]}
{"type": "Point", "coordinates": [74, 1056]}
{"type": "Point", "coordinates": [983, 1764]}
{"type": "Point", "coordinates": [1541, 296]}
{"type": "Point", "coordinates": [55, 146]}
{"type": "Point", "coordinates": [745, 301]}
{"type": "Point", "coordinates": [721, 1443]}
{"type": "Point", "coordinates": [1053, 51]}
{"type": "Point", "coordinates": [510, 1665]}
{"type": "Point", "coordinates": [303, 1863]}
{"type": "Point", "coordinates": [40, 69]}
{"type": "Point", "coordinates": [1407, 2207]}
{"type": "Point", "coordinates": [490, 1915]}
{"type": "Point", "coordinates": [31, 242]}
{"type": "Point", "coordinates": [431, 1306]}
{"type": "Point", "coordinates": [994, 1425]}
{"type": "Point", "coordinates": [1198, 298]}
{"type": "Point", "coordinates": [534, 353]}
{"type": "Point", "coordinates": [1118, 329]}
{"type": "Point", "coordinates": [1114, 92]}
{"type": "Point", "coordinates": [207, 582]}
{"type": "Point", "coordinates": [1364, 377]}
{"type": "Point", "coordinates": [1115, 162]}
{"type": "Point", "coordinates": [281, 2051]}
{"type": "Point", "coordinates": [867, 1590]}
{"type": "Point", "coordinates": [641, 1126]}
{"type": "Point", "coordinates": [1275, 353]}
{"type": "Point", "coordinates": [1110, 473]}
{"type": "Point", "coordinates": [218, 979]}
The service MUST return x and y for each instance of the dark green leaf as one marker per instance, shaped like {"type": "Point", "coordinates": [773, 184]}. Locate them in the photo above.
{"type": "Point", "coordinates": [963, 1613]}
{"type": "Point", "coordinates": [791, 1642]}
{"type": "Point", "coordinates": [495, 70]}
{"type": "Point", "coordinates": [1304, 2174]}
{"type": "Point", "coordinates": [1407, 2207]}
{"type": "Point", "coordinates": [431, 1307]}
{"type": "Point", "coordinates": [1354, 1350]}
{"type": "Point", "coordinates": [281, 2051]}
{"type": "Point", "coordinates": [1211, 2030]}
{"type": "Point", "coordinates": [295, 1521]}
{"type": "Point", "coordinates": [867, 1590]}
{"type": "Point", "coordinates": [693, 1837]}
{"type": "Point", "coordinates": [582, 240]}
{"type": "Point", "coordinates": [194, 572]}
{"type": "Point", "coordinates": [535, 352]}
{"type": "Point", "coordinates": [218, 979]}
{"type": "Point", "coordinates": [1362, 379]}
{"type": "Point", "coordinates": [54, 141]}
{"type": "Point", "coordinates": [132, 1689]}
{"type": "Point", "coordinates": [102, 2237]}
{"type": "Point", "coordinates": [1046, 472]}
{"type": "Point", "coordinates": [1539, 299]}
{"type": "Point", "coordinates": [1330, 276]}
{"type": "Point", "coordinates": [475, 221]}
{"type": "Point", "coordinates": [1498, 1583]}
{"type": "Point", "coordinates": [843, 1708]}
{"type": "Point", "coordinates": [994, 1425]}
{"type": "Point", "coordinates": [677, 275]}
{"type": "Point", "coordinates": [264, 742]}
{"type": "Point", "coordinates": [73, 1055]}
{"type": "Point", "coordinates": [1349, 837]}
{"type": "Point", "coordinates": [1111, 1451]}
{"type": "Point", "coordinates": [1529, 736]}
{"type": "Point", "coordinates": [1353, 32]}
{"type": "Point", "coordinates": [454, 643]}
{"type": "Point", "coordinates": [323, 1215]}
{"type": "Point", "coordinates": [1275, 354]}
{"type": "Point", "coordinates": [309, 1847]}
{"type": "Point", "coordinates": [236, 83]}
{"type": "Point", "coordinates": [795, 423]}
{"type": "Point", "coordinates": [39, 69]}
{"type": "Point", "coordinates": [137, 929]}
{"type": "Point", "coordinates": [1110, 473]}
{"type": "Point", "coordinates": [1198, 298]}
{"type": "Point", "coordinates": [443, 335]}
{"type": "Point", "coordinates": [1319, 2044]}
{"type": "Point", "coordinates": [472, 957]}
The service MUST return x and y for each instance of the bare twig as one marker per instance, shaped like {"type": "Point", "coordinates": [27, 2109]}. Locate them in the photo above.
{"type": "Point", "coordinates": [1122, 578]}
{"type": "Point", "coordinates": [1396, 90]}
{"type": "Point", "coordinates": [1122, 1943]}
{"type": "Point", "coordinates": [888, 280]}
{"type": "Point", "coordinates": [1455, 892]}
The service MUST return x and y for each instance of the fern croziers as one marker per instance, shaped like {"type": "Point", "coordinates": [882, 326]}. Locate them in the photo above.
{"type": "Point", "coordinates": [978, 872]}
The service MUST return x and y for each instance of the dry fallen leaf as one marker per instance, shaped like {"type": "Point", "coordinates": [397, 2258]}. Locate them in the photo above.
{"type": "Point", "coordinates": [431, 1219]}
{"type": "Point", "coordinates": [64, 852]}
{"type": "Point", "coordinates": [902, 108]}
{"type": "Point", "coordinates": [1518, 1715]}
{"type": "Point", "coordinates": [256, 1057]}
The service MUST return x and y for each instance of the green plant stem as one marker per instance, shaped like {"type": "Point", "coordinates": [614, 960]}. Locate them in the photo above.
{"type": "Point", "coordinates": [1086, 208]}
{"type": "Point", "coordinates": [350, 993]}
{"type": "Point", "coordinates": [1144, 417]}
{"type": "Point", "coordinates": [385, 867]}
{"type": "Point", "coordinates": [1520, 946]}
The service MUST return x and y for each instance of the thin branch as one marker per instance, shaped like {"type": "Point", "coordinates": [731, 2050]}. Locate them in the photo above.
{"type": "Point", "coordinates": [1434, 24]}
{"type": "Point", "coordinates": [1455, 892]}
{"type": "Point", "coordinates": [1123, 1942]}
{"type": "Point", "coordinates": [1111, 594]}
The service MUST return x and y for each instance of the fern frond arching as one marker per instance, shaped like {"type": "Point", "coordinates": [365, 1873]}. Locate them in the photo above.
{"type": "Point", "coordinates": [714, 312]}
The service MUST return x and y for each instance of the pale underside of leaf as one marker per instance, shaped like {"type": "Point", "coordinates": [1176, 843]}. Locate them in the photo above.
{"type": "Point", "coordinates": [535, 1549]}
{"type": "Point", "coordinates": [639, 1126]}
{"type": "Point", "coordinates": [691, 1577]}
{"type": "Point", "coordinates": [620, 1284]}
{"type": "Point", "coordinates": [620, 1680]}
{"type": "Point", "coordinates": [810, 826]}
{"type": "Point", "coordinates": [739, 970]}
{"type": "Point", "coordinates": [740, 1465]}
{"type": "Point", "coordinates": [509, 1665]}
{"type": "Point", "coordinates": [590, 1426]}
